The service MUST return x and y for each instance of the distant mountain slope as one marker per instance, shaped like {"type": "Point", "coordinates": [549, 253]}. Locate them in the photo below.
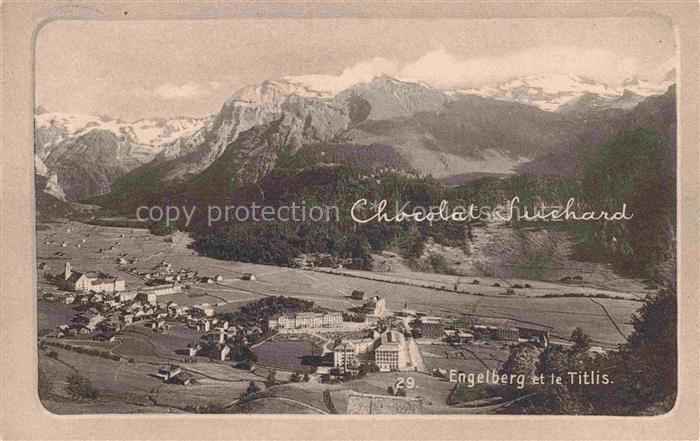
{"type": "Point", "coordinates": [653, 111]}
{"type": "Point", "coordinates": [87, 165]}
{"type": "Point", "coordinates": [87, 153]}
{"type": "Point", "coordinates": [554, 92]}
{"type": "Point", "coordinates": [589, 102]}
{"type": "Point", "coordinates": [383, 111]}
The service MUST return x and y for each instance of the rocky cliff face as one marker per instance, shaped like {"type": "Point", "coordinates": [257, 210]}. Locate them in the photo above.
{"type": "Point", "coordinates": [87, 165]}
{"type": "Point", "coordinates": [390, 98]}
{"type": "Point", "coordinates": [312, 116]}
{"type": "Point", "coordinates": [47, 180]}
{"type": "Point", "coordinates": [253, 155]}
{"type": "Point", "coordinates": [251, 106]}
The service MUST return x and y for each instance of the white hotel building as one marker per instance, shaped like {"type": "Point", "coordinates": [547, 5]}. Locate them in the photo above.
{"type": "Point", "coordinates": [389, 352]}
{"type": "Point", "coordinates": [304, 320]}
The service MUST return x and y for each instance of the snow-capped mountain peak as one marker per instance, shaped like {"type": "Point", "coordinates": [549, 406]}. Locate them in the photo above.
{"type": "Point", "coordinates": [553, 92]}
{"type": "Point", "coordinates": [149, 133]}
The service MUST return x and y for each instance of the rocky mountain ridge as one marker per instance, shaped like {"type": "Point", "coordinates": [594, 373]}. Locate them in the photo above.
{"type": "Point", "coordinates": [442, 133]}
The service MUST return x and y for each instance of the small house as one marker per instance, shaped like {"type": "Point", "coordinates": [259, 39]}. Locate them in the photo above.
{"type": "Point", "coordinates": [183, 378]}
{"type": "Point", "coordinates": [168, 372]}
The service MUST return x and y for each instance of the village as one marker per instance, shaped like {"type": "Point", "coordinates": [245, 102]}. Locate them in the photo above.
{"type": "Point", "coordinates": [146, 305]}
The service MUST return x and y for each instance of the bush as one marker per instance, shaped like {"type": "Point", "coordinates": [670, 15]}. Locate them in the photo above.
{"type": "Point", "coordinates": [81, 387]}
{"type": "Point", "coordinates": [247, 394]}
{"type": "Point", "coordinates": [162, 229]}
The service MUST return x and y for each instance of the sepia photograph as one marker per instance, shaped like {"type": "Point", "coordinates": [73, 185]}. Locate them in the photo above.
{"type": "Point", "coordinates": [349, 220]}
{"type": "Point", "coordinates": [356, 216]}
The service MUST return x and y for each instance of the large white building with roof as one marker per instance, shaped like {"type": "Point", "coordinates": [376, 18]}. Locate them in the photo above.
{"type": "Point", "coordinates": [305, 320]}
{"type": "Point", "coordinates": [390, 354]}
{"type": "Point", "coordinates": [86, 282]}
{"type": "Point", "coordinates": [388, 351]}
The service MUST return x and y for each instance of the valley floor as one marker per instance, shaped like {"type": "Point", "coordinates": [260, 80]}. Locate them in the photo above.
{"type": "Point", "coordinates": [132, 387]}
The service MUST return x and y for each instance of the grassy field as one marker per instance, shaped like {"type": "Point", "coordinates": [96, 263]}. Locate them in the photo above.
{"type": "Point", "coordinates": [52, 314]}
{"type": "Point", "coordinates": [470, 358]}
{"type": "Point", "coordinates": [134, 383]}
{"type": "Point", "coordinates": [332, 291]}
{"type": "Point", "coordinates": [287, 355]}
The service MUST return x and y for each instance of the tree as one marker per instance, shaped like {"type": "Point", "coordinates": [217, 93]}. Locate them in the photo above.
{"type": "Point", "coordinates": [271, 379]}
{"type": "Point", "coordinates": [554, 359]}
{"type": "Point", "coordinates": [252, 389]}
{"type": "Point", "coordinates": [249, 393]}
{"type": "Point", "coordinates": [522, 360]}
{"type": "Point", "coordinates": [412, 245]}
{"type": "Point", "coordinates": [642, 372]}
{"type": "Point", "coordinates": [306, 377]}
{"type": "Point", "coordinates": [581, 341]}
{"type": "Point", "coordinates": [647, 363]}
{"type": "Point", "coordinates": [362, 371]}
{"type": "Point", "coordinates": [295, 376]}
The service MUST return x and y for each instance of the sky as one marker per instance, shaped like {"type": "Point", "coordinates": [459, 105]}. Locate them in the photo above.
{"type": "Point", "coordinates": [140, 69]}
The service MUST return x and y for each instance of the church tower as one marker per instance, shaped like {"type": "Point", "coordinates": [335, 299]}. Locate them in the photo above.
{"type": "Point", "coordinates": [67, 272]}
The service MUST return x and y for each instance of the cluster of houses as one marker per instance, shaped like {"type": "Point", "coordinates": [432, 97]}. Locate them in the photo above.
{"type": "Point", "coordinates": [468, 329]}
{"type": "Point", "coordinates": [103, 315]}
{"type": "Point", "coordinates": [84, 286]}
{"type": "Point", "coordinates": [219, 337]}
{"type": "Point", "coordinates": [163, 273]}
{"type": "Point", "coordinates": [107, 308]}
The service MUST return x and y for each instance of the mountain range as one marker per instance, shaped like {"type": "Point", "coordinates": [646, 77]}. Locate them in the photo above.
{"type": "Point", "coordinates": [573, 93]}
{"type": "Point", "coordinates": [498, 130]}
{"type": "Point", "coordinates": [85, 154]}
